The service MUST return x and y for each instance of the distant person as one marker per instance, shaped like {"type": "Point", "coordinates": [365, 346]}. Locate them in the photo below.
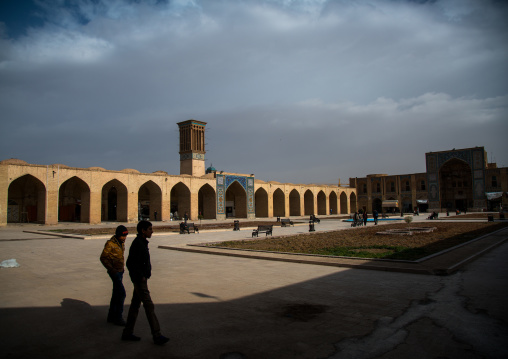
{"type": "Point", "coordinates": [186, 217]}
{"type": "Point", "coordinates": [364, 218]}
{"type": "Point", "coordinates": [112, 257]}
{"type": "Point", "coordinates": [375, 214]}
{"type": "Point", "coordinates": [140, 270]}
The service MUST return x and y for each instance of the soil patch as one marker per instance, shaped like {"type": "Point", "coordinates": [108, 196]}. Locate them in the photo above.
{"type": "Point", "coordinates": [366, 243]}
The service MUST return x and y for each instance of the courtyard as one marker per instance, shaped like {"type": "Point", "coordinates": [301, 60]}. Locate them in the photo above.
{"type": "Point", "coordinates": [225, 306]}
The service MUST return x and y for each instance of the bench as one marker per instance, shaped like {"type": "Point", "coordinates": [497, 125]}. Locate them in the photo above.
{"type": "Point", "coordinates": [188, 227]}
{"type": "Point", "coordinates": [262, 229]}
{"type": "Point", "coordinates": [357, 223]}
{"type": "Point", "coordinates": [286, 222]}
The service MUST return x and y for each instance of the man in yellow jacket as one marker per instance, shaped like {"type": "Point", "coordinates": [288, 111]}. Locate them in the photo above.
{"type": "Point", "coordinates": [112, 257]}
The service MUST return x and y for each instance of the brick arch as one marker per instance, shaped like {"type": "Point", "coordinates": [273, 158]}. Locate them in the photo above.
{"type": "Point", "coordinates": [74, 201]}
{"type": "Point", "coordinates": [207, 202]}
{"type": "Point", "coordinates": [261, 201]}
{"type": "Point", "coordinates": [279, 203]}
{"type": "Point", "coordinates": [352, 202]}
{"type": "Point", "coordinates": [236, 197]}
{"type": "Point", "coordinates": [26, 200]}
{"type": "Point", "coordinates": [294, 203]}
{"type": "Point", "coordinates": [150, 201]}
{"type": "Point", "coordinates": [321, 203]}
{"type": "Point", "coordinates": [114, 201]}
{"type": "Point", "coordinates": [308, 202]}
{"type": "Point", "coordinates": [333, 202]}
{"type": "Point", "coordinates": [343, 203]}
{"type": "Point", "coordinates": [180, 197]}
{"type": "Point", "coordinates": [456, 184]}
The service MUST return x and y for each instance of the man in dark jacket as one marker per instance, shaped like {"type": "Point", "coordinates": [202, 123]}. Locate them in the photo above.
{"type": "Point", "coordinates": [140, 270]}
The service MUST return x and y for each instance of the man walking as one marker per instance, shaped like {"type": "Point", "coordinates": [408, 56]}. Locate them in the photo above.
{"type": "Point", "coordinates": [140, 270]}
{"type": "Point", "coordinates": [112, 257]}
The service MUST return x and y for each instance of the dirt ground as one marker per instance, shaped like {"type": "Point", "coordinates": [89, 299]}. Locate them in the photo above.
{"type": "Point", "coordinates": [366, 239]}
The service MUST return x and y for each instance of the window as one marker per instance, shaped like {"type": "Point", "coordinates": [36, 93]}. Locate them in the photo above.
{"type": "Point", "coordinates": [392, 186]}
{"type": "Point", "coordinates": [378, 187]}
{"type": "Point", "coordinates": [494, 181]}
{"type": "Point", "coordinates": [422, 186]}
{"type": "Point", "coordinates": [364, 188]}
{"type": "Point", "coordinates": [408, 187]}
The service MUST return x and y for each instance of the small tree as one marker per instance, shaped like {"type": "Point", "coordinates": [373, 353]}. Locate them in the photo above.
{"type": "Point", "coordinates": [408, 220]}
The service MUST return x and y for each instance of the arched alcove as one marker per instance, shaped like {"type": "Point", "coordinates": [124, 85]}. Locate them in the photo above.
{"type": "Point", "coordinates": [236, 201]}
{"type": "Point", "coordinates": [279, 203]}
{"type": "Point", "coordinates": [261, 201]}
{"type": "Point", "coordinates": [74, 201]}
{"type": "Point", "coordinates": [114, 201]}
{"type": "Point", "coordinates": [26, 200]}
{"type": "Point", "coordinates": [206, 202]}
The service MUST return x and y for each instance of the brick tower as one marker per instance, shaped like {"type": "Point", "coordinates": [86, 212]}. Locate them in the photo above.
{"type": "Point", "coordinates": [192, 148]}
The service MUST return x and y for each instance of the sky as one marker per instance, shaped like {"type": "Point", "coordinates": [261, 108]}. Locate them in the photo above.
{"type": "Point", "coordinates": [298, 91]}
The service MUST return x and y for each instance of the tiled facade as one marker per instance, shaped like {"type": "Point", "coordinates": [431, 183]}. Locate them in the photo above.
{"type": "Point", "coordinates": [457, 179]}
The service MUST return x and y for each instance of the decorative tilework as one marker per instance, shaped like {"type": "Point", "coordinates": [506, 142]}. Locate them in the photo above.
{"type": "Point", "coordinates": [221, 195]}
{"type": "Point", "coordinates": [473, 157]}
{"type": "Point", "coordinates": [242, 180]}
{"type": "Point", "coordinates": [464, 155]}
{"type": "Point", "coordinates": [223, 183]}
{"type": "Point", "coordinates": [194, 156]}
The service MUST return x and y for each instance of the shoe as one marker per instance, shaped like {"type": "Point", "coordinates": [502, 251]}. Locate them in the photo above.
{"type": "Point", "coordinates": [130, 338]}
{"type": "Point", "coordinates": [160, 340]}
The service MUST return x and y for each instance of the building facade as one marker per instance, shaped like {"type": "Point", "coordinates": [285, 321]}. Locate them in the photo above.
{"type": "Point", "coordinates": [454, 180]}
{"type": "Point", "coordinates": [49, 194]}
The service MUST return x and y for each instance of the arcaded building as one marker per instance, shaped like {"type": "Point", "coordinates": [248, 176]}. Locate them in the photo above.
{"type": "Point", "coordinates": [54, 193]}
{"type": "Point", "coordinates": [455, 180]}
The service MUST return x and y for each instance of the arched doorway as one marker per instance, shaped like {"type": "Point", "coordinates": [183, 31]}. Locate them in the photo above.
{"type": "Point", "coordinates": [407, 205]}
{"type": "Point", "coordinates": [236, 201]}
{"type": "Point", "coordinates": [321, 203]}
{"type": "Point", "coordinates": [343, 203]}
{"type": "Point", "coordinates": [333, 203]}
{"type": "Point", "coordinates": [206, 202]}
{"type": "Point", "coordinates": [352, 202]}
{"type": "Point", "coordinates": [294, 203]}
{"type": "Point", "coordinates": [150, 202]}
{"type": "Point", "coordinates": [377, 205]}
{"type": "Point", "coordinates": [114, 201]}
{"type": "Point", "coordinates": [308, 202]}
{"type": "Point", "coordinates": [74, 201]}
{"type": "Point", "coordinates": [279, 203]}
{"type": "Point", "coordinates": [180, 201]}
{"type": "Point", "coordinates": [26, 200]}
{"type": "Point", "coordinates": [261, 202]}
{"type": "Point", "coordinates": [456, 185]}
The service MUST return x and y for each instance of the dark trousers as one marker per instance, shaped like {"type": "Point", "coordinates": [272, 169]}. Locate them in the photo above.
{"type": "Point", "coordinates": [117, 298]}
{"type": "Point", "coordinates": [140, 295]}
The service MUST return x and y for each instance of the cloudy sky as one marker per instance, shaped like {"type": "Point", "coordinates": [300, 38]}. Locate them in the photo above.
{"type": "Point", "coordinates": [302, 91]}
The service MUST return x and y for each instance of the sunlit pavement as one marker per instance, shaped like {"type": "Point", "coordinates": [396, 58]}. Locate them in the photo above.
{"type": "Point", "coordinates": [55, 303]}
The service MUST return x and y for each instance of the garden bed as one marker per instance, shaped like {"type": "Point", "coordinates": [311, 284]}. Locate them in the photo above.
{"type": "Point", "coordinates": [364, 242]}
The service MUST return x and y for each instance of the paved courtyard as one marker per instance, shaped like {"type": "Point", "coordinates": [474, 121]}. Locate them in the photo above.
{"type": "Point", "coordinates": [215, 306]}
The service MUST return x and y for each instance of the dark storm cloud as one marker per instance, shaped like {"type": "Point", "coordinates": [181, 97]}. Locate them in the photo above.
{"type": "Point", "coordinates": [296, 91]}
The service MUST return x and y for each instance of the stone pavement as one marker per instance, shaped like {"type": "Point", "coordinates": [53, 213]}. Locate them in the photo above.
{"type": "Point", "coordinates": [55, 304]}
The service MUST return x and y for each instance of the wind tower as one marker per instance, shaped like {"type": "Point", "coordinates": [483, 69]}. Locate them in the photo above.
{"type": "Point", "coordinates": [192, 148]}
